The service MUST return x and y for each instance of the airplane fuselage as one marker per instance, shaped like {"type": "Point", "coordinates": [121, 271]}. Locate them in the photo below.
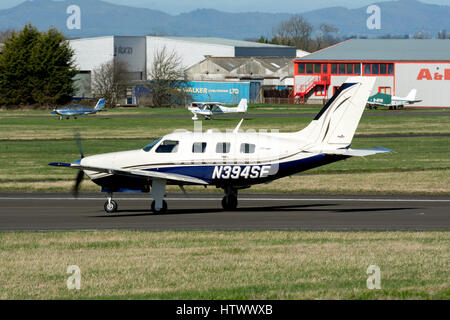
{"type": "Point", "coordinates": [223, 159]}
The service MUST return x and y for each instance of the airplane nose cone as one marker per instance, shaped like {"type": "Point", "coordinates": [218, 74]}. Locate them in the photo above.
{"type": "Point", "coordinates": [77, 162]}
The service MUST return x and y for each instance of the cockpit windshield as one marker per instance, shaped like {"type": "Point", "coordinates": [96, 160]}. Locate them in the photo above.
{"type": "Point", "coordinates": [147, 148]}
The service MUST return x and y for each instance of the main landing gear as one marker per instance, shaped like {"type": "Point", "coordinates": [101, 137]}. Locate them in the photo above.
{"type": "Point", "coordinates": [229, 201]}
{"type": "Point", "coordinates": [159, 205]}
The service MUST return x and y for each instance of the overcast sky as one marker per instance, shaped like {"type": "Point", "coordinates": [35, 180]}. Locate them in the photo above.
{"type": "Point", "coordinates": [177, 6]}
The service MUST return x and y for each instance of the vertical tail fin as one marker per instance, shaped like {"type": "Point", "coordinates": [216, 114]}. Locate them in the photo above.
{"type": "Point", "coordinates": [335, 125]}
{"type": "Point", "coordinates": [100, 104]}
{"type": "Point", "coordinates": [411, 95]}
{"type": "Point", "coordinates": [242, 106]}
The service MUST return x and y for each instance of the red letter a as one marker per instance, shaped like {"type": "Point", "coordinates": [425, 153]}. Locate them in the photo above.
{"type": "Point", "coordinates": [424, 73]}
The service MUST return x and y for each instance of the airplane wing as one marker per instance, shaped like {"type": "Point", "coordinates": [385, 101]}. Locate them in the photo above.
{"type": "Point", "coordinates": [135, 173]}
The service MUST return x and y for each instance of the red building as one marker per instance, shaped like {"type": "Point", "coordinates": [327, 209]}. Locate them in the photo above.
{"type": "Point", "coordinates": [399, 65]}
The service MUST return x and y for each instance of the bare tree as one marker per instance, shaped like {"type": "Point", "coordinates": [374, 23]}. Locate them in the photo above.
{"type": "Point", "coordinates": [422, 34]}
{"type": "Point", "coordinates": [6, 34]}
{"type": "Point", "coordinates": [326, 36]}
{"type": "Point", "coordinates": [110, 81]}
{"type": "Point", "coordinates": [295, 32]}
{"type": "Point", "coordinates": [443, 34]}
{"type": "Point", "coordinates": [167, 79]}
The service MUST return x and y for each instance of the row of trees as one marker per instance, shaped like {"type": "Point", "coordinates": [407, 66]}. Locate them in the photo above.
{"type": "Point", "coordinates": [110, 80]}
{"type": "Point", "coordinates": [298, 32]}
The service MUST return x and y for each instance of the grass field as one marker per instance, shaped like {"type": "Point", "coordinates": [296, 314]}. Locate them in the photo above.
{"type": "Point", "coordinates": [227, 265]}
{"type": "Point", "coordinates": [28, 144]}
{"type": "Point", "coordinates": [224, 265]}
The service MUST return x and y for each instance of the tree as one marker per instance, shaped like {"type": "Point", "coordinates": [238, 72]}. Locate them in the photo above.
{"type": "Point", "coordinates": [110, 81]}
{"type": "Point", "coordinates": [295, 31]}
{"type": "Point", "coordinates": [326, 36]}
{"type": "Point", "coordinates": [36, 68]}
{"type": "Point", "coordinates": [166, 79]}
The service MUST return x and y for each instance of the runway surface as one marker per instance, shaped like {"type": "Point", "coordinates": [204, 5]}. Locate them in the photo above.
{"type": "Point", "coordinates": [202, 211]}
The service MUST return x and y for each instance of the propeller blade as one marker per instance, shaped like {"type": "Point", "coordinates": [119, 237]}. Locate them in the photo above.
{"type": "Point", "coordinates": [78, 180]}
{"type": "Point", "coordinates": [80, 147]}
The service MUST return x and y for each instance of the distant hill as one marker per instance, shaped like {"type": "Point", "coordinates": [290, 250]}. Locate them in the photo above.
{"type": "Point", "coordinates": [103, 18]}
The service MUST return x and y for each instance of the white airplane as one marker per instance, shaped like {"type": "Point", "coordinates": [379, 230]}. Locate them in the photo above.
{"type": "Point", "coordinates": [232, 160]}
{"type": "Point", "coordinates": [210, 109]}
{"type": "Point", "coordinates": [393, 102]}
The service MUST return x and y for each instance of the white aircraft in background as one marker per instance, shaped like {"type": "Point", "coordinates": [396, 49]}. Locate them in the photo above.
{"type": "Point", "coordinates": [232, 160]}
{"type": "Point", "coordinates": [210, 109]}
{"type": "Point", "coordinates": [393, 102]}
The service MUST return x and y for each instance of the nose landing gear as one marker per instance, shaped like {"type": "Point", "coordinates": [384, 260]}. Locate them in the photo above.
{"type": "Point", "coordinates": [110, 205]}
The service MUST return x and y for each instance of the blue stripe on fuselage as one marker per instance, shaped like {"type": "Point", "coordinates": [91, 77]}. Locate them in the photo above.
{"type": "Point", "coordinates": [114, 183]}
{"type": "Point", "coordinates": [205, 172]}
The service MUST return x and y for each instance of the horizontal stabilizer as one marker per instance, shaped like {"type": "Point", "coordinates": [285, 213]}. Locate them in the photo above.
{"type": "Point", "coordinates": [357, 152]}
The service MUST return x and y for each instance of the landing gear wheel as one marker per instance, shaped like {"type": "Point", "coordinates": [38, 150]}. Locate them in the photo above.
{"type": "Point", "coordinates": [110, 206]}
{"type": "Point", "coordinates": [229, 203]}
{"type": "Point", "coordinates": [162, 210]}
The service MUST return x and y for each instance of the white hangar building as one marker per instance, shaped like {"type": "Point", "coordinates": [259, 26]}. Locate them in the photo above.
{"type": "Point", "coordinates": [138, 52]}
{"type": "Point", "coordinates": [398, 65]}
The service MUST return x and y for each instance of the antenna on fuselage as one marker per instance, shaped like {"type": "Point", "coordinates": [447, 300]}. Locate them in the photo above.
{"type": "Point", "coordinates": [238, 126]}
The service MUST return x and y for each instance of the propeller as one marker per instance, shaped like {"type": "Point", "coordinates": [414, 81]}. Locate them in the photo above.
{"type": "Point", "coordinates": [80, 174]}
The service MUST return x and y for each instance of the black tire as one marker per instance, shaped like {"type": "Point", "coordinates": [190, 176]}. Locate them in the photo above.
{"type": "Point", "coordinates": [162, 210]}
{"type": "Point", "coordinates": [110, 207]}
{"type": "Point", "coordinates": [229, 203]}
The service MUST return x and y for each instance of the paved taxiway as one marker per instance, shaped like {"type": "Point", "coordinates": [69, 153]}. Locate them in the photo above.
{"type": "Point", "coordinates": [59, 211]}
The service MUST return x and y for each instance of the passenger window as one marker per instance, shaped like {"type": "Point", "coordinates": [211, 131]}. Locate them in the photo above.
{"type": "Point", "coordinates": [223, 147]}
{"type": "Point", "coordinates": [199, 147]}
{"type": "Point", "coordinates": [247, 148]}
{"type": "Point", "coordinates": [167, 146]}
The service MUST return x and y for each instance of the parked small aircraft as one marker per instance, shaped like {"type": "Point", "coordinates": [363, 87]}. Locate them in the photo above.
{"type": "Point", "coordinates": [210, 109]}
{"type": "Point", "coordinates": [74, 110]}
{"type": "Point", "coordinates": [393, 102]}
{"type": "Point", "coordinates": [232, 160]}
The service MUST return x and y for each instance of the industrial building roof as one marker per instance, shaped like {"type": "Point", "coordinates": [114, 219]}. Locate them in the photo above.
{"type": "Point", "coordinates": [225, 42]}
{"type": "Point", "coordinates": [231, 63]}
{"type": "Point", "coordinates": [384, 50]}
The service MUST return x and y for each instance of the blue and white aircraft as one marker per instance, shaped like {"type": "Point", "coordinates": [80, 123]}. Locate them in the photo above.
{"type": "Point", "coordinates": [74, 110]}
{"type": "Point", "coordinates": [210, 109]}
{"type": "Point", "coordinates": [232, 160]}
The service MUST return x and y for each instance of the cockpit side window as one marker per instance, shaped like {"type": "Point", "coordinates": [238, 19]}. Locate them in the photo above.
{"type": "Point", "coordinates": [149, 147]}
{"type": "Point", "coordinates": [168, 146]}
